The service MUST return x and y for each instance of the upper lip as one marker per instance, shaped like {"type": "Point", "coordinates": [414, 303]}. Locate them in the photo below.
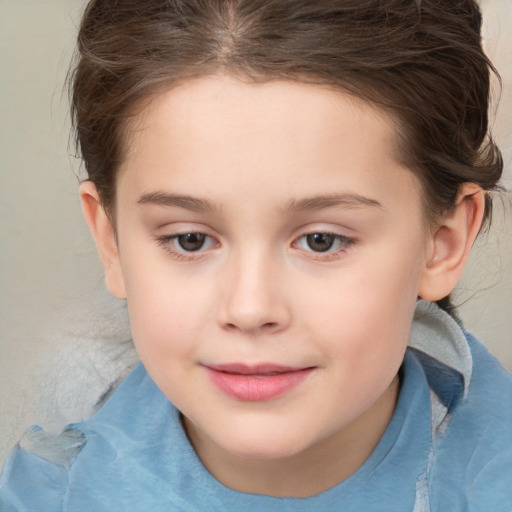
{"type": "Point", "coordinates": [255, 369]}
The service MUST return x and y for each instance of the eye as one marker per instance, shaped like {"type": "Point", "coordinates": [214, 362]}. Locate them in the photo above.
{"type": "Point", "coordinates": [323, 242]}
{"type": "Point", "coordinates": [190, 242]}
{"type": "Point", "coordinates": [186, 243]}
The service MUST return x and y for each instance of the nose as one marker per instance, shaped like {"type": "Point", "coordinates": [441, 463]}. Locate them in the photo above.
{"type": "Point", "coordinates": [254, 300]}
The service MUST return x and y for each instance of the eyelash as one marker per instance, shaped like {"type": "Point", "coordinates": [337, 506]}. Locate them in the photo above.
{"type": "Point", "coordinates": [168, 242]}
{"type": "Point", "coordinates": [344, 243]}
{"type": "Point", "coordinates": [169, 245]}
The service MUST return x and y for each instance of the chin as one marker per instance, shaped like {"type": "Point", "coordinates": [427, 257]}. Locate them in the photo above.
{"type": "Point", "coordinates": [268, 447]}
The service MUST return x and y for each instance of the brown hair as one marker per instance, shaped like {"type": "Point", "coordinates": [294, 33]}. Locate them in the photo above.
{"type": "Point", "coordinates": [420, 59]}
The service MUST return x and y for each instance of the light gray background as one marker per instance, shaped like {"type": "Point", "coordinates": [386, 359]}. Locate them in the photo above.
{"type": "Point", "coordinates": [51, 288]}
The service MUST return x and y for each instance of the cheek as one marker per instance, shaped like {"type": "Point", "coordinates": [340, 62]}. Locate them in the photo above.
{"type": "Point", "coordinates": [366, 312]}
{"type": "Point", "coordinates": [167, 326]}
{"type": "Point", "coordinates": [167, 310]}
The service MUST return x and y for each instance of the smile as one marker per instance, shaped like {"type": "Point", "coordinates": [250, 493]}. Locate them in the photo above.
{"type": "Point", "coordinates": [256, 383]}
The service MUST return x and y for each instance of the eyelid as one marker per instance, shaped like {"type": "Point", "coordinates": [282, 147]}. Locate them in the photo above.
{"type": "Point", "coordinates": [167, 243]}
{"type": "Point", "coordinates": [328, 255]}
{"type": "Point", "coordinates": [337, 236]}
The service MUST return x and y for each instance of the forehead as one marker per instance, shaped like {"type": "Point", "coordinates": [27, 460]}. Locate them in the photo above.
{"type": "Point", "coordinates": [220, 133]}
{"type": "Point", "coordinates": [203, 106]}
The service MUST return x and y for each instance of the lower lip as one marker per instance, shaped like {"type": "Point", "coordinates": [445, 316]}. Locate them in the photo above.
{"type": "Point", "coordinates": [257, 387]}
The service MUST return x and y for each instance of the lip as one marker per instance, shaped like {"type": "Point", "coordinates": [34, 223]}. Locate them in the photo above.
{"type": "Point", "coordinates": [256, 382]}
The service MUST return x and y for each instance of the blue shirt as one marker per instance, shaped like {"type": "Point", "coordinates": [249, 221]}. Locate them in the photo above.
{"type": "Point", "coordinates": [448, 447]}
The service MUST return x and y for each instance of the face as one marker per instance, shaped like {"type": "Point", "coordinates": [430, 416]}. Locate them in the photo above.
{"type": "Point", "coordinates": [271, 248]}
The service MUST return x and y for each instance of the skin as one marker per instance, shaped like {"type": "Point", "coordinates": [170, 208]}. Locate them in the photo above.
{"type": "Point", "coordinates": [257, 168]}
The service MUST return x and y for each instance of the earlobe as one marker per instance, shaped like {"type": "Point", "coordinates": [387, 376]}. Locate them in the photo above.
{"type": "Point", "coordinates": [451, 243]}
{"type": "Point", "coordinates": [103, 233]}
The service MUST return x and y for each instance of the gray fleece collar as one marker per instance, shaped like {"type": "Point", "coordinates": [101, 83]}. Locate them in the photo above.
{"type": "Point", "coordinates": [435, 333]}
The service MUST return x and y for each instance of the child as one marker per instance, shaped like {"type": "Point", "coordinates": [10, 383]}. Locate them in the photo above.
{"type": "Point", "coordinates": [273, 187]}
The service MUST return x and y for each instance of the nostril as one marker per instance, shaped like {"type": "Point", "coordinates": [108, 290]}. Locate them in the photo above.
{"type": "Point", "coordinates": [268, 326]}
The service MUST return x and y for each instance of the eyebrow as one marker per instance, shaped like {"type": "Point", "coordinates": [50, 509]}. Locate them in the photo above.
{"type": "Point", "coordinates": [303, 205]}
{"type": "Point", "coordinates": [330, 201]}
{"type": "Point", "coordinates": [176, 200]}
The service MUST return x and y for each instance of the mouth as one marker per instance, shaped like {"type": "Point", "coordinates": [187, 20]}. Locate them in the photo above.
{"type": "Point", "coordinates": [256, 382]}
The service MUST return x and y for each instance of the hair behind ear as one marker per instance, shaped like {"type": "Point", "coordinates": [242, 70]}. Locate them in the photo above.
{"type": "Point", "coordinates": [447, 305]}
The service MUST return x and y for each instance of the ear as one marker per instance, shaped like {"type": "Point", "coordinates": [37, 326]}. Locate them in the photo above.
{"type": "Point", "coordinates": [103, 233]}
{"type": "Point", "coordinates": [451, 243]}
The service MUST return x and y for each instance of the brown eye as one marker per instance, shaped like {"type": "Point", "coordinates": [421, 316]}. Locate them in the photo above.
{"type": "Point", "coordinates": [191, 242]}
{"type": "Point", "coordinates": [320, 242]}
{"type": "Point", "coordinates": [324, 244]}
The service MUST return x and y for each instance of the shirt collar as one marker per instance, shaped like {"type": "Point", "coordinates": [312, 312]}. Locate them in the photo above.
{"type": "Point", "coordinates": [436, 334]}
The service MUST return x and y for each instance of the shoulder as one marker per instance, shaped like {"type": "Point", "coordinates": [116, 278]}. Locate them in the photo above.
{"type": "Point", "coordinates": [35, 475]}
{"type": "Point", "coordinates": [121, 451]}
{"type": "Point", "coordinates": [458, 367]}
{"type": "Point", "coordinates": [487, 411]}
{"type": "Point", "coordinates": [37, 472]}
{"type": "Point", "coordinates": [471, 459]}
{"type": "Point", "coordinates": [488, 374]}
{"type": "Point", "coordinates": [475, 453]}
